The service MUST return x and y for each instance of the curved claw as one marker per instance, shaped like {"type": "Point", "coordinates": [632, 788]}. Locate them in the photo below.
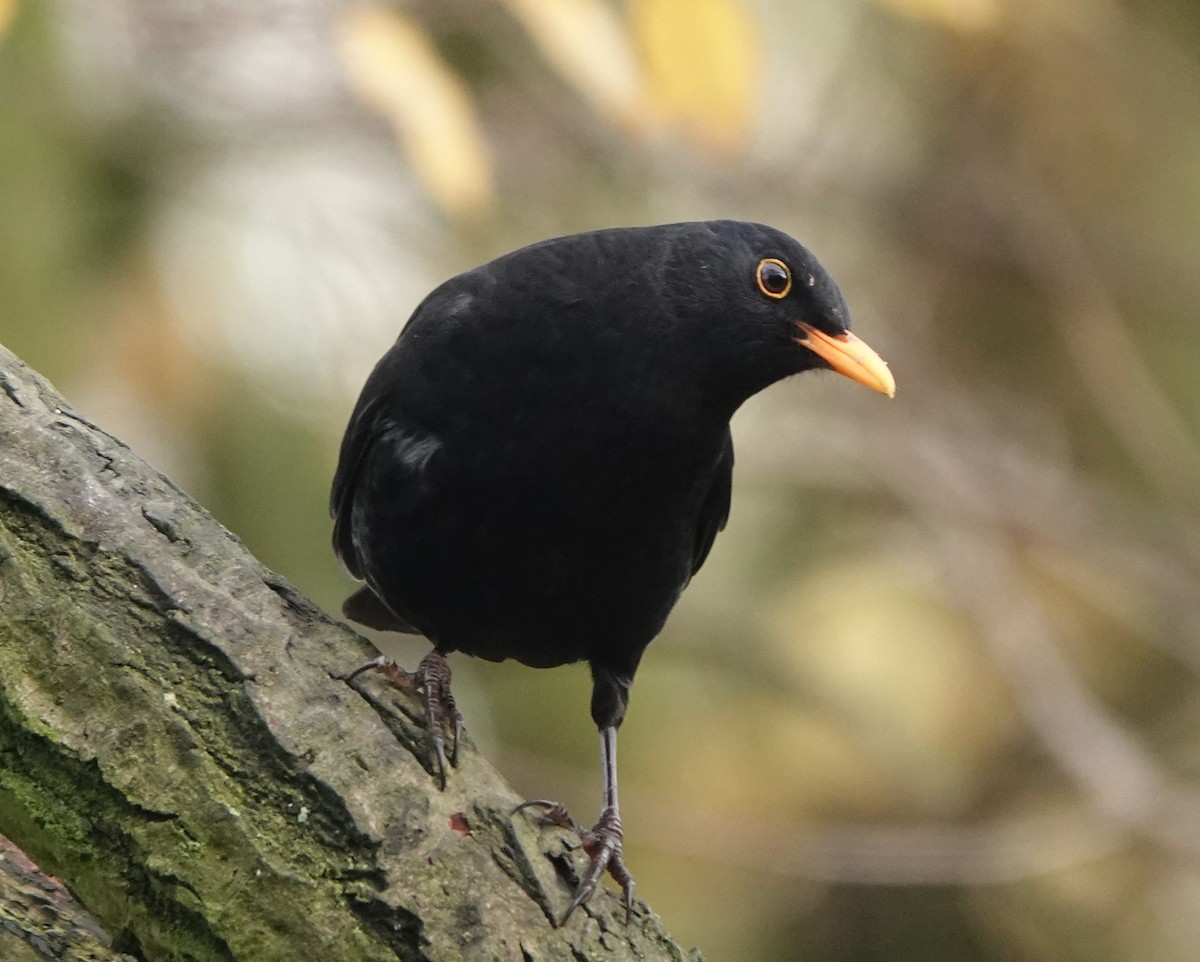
{"type": "Point", "coordinates": [407, 680]}
{"type": "Point", "coordinates": [432, 677]}
{"type": "Point", "coordinates": [380, 664]}
{"type": "Point", "coordinates": [458, 731]}
{"type": "Point", "coordinates": [603, 846]}
{"type": "Point", "coordinates": [434, 673]}
{"type": "Point", "coordinates": [555, 812]}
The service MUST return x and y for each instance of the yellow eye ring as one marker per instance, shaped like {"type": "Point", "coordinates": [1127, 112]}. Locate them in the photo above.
{"type": "Point", "coordinates": [773, 277]}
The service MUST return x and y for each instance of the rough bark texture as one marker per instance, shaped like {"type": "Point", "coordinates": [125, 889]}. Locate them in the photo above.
{"type": "Point", "coordinates": [40, 920]}
{"type": "Point", "coordinates": [177, 745]}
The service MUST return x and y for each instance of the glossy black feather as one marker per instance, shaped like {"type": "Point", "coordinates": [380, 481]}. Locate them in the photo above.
{"type": "Point", "coordinates": [542, 461]}
{"type": "Point", "coordinates": [714, 512]}
{"type": "Point", "coordinates": [366, 607]}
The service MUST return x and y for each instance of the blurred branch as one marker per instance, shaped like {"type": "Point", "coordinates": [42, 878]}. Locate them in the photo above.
{"type": "Point", "coordinates": [982, 501]}
{"type": "Point", "coordinates": [978, 557]}
{"type": "Point", "coordinates": [1097, 337]}
{"type": "Point", "coordinates": [1120, 776]}
{"type": "Point", "coordinates": [958, 465]}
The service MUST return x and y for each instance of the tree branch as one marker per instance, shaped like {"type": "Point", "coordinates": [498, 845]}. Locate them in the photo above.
{"type": "Point", "coordinates": [178, 745]}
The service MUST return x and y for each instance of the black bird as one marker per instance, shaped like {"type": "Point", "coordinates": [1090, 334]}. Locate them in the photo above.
{"type": "Point", "coordinates": [541, 462]}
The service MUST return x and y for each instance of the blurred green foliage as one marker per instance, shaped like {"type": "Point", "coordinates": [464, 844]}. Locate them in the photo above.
{"type": "Point", "coordinates": [935, 695]}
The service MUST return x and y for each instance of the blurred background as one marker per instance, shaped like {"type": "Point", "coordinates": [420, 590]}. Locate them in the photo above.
{"type": "Point", "coordinates": [936, 694]}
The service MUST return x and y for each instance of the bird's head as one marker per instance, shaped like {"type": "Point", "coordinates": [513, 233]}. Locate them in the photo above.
{"type": "Point", "coordinates": [770, 307]}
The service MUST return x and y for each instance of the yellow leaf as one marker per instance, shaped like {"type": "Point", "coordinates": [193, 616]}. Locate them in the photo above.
{"type": "Point", "coordinates": [8, 10]}
{"type": "Point", "coordinates": [392, 64]}
{"type": "Point", "coordinates": [586, 43]}
{"type": "Point", "coordinates": [703, 58]}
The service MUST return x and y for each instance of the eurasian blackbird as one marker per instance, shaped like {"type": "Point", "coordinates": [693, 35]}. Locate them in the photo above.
{"type": "Point", "coordinates": [541, 462]}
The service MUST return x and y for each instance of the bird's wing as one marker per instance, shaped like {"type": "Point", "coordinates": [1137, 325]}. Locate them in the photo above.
{"type": "Point", "coordinates": [361, 435]}
{"type": "Point", "coordinates": [370, 428]}
{"type": "Point", "coordinates": [365, 607]}
{"type": "Point", "coordinates": [377, 434]}
{"type": "Point", "coordinates": [714, 511]}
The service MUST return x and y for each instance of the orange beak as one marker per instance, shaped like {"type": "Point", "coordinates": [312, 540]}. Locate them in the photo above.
{"type": "Point", "coordinates": [850, 356]}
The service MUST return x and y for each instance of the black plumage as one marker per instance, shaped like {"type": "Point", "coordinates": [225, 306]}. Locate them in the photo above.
{"type": "Point", "coordinates": [542, 461]}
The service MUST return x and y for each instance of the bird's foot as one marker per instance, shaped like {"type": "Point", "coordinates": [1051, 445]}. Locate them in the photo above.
{"type": "Point", "coordinates": [432, 679]}
{"type": "Point", "coordinates": [602, 843]}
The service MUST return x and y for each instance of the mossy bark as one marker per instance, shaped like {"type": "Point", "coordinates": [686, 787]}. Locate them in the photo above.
{"type": "Point", "coordinates": [178, 746]}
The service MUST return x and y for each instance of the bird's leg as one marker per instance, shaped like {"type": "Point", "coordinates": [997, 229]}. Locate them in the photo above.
{"type": "Point", "coordinates": [603, 841]}
{"type": "Point", "coordinates": [432, 678]}
{"type": "Point", "coordinates": [439, 708]}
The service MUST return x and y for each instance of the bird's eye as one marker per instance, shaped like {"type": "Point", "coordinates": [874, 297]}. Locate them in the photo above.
{"type": "Point", "coordinates": [774, 278]}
